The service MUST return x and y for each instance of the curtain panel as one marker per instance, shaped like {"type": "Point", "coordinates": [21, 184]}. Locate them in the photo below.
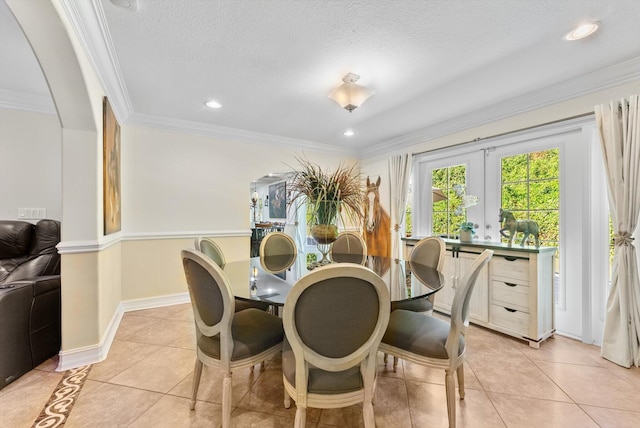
{"type": "Point", "coordinates": [399, 175]}
{"type": "Point", "coordinates": [619, 127]}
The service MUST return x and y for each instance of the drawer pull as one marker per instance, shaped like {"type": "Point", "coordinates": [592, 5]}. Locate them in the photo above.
{"type": "Point", "coordinates": [511, 284]}
{"type": "Point", "coordinates": [509, 309]}
{"type": "Point", "coordinates": [510, 259]}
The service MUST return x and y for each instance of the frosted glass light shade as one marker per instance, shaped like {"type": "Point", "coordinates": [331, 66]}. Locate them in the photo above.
{"type": "Point", "coordinates": [350, 95]}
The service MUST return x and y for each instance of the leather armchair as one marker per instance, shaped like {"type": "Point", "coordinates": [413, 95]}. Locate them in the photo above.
{"type": "Point", "coordinates": [29, 296]}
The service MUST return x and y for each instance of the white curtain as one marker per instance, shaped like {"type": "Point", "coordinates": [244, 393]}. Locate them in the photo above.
{"type": "Point", "coordinates": [619, 126]}
{"type": "Point", "coordinates": [399, 174]}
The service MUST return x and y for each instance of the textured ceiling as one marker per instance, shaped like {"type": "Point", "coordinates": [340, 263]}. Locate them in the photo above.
{"type": "Point", "coordinates": [271, 63]}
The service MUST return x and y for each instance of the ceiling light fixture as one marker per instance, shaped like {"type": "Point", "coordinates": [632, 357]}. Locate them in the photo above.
{"type": "Point", "coordinates": [348, 133]}
{"type": "Point", "coordinates": [213, 104]}
{"type": "Point", "coordinates": [582, 31]}
{"type": "Point", "coordinates": [126, 4]}
{"type": "Point", "coordinates": [350, 95]}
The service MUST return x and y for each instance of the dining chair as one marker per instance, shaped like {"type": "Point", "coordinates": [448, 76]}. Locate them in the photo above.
{"type": "Point", "coordinates": [334, 319]}
{"type": "Point", "coordinates": [278, 251]}
{"type": "Point", "coordinates": [226, 340]}
{"type": "Point", "coordinates": [214, 252]}
{"type": "Point", "coordinates": [429, 252]}
{"type": "Point", "coordinates": [349, 247]}
{"type": "Point", "coordinates": [432, 342]}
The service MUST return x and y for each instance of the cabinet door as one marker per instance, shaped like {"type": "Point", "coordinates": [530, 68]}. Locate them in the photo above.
{"type": "Point", "coordinates": [479, 303]}
{"type": "Point", "coordinates": [455, 267]}
{"type": "Point", "coordinates": [444, 297]}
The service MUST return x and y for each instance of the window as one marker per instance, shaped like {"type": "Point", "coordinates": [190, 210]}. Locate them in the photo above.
{"type": "Point", "coordinates": [530, 189]}
{"type": "Point", "coordinates": [444, 220]}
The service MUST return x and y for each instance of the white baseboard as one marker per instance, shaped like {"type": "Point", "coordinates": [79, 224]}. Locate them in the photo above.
{"type": "Point", "coordinates": [93, 354]}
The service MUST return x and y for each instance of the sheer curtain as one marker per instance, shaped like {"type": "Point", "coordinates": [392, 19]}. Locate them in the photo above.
{"type": "Point", "coordinates": [399, 174]}
{"type": "Point", "coordinates": [619, 127]}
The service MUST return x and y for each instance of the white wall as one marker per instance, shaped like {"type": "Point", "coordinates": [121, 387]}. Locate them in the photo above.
{"type": "Point", "coordinates": [30, 163]}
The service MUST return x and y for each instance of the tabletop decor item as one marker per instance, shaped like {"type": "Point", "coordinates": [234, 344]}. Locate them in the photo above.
{"type": "Point", "coordinates": [467, 228]}
{"type": "Point", "coordinates": [513, 226]}
{"type": "Point", "coordinates": [330, 196]}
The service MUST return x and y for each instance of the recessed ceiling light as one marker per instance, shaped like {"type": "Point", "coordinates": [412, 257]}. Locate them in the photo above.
{"type": "Point", "coordinates": [582, 31]}
{"type": "Point", "coordinates": [348, 133]}
{"type": "Point", "coordinates": [213, 104]}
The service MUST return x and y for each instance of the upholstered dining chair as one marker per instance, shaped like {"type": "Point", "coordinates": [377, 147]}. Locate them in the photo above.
{"type": "Point", "coordinates": [214, 252]}
{"type": "Point", "coordinates": [349, 247]}
{"type": "Point", "coordinates": [429, 252]}
{"type": "Point", "coordinates": [432, 342]}
{"type": "Point", "coordinates": [277, 244]}
{"type": "Point", "coordinates": [334, 319]}
{"type": "Point", "coordinates": [226, 340]}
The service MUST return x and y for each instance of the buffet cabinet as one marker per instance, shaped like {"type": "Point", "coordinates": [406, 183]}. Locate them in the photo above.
{"type": "Point", "coordinates": [513, 294]}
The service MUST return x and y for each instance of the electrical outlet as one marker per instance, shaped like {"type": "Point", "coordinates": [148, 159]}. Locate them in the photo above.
{"type": "Point", "coordinates": [32, 213]}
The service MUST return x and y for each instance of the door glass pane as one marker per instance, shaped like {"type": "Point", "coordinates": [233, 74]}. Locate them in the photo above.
{"type": "Point", "coordinates": [444, 221]}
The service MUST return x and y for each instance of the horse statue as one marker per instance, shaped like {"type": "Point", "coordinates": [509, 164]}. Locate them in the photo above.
{"type": "Point", "coordinates": [528, 227]}
{"type": "Point", "coordinates": [376, 231]}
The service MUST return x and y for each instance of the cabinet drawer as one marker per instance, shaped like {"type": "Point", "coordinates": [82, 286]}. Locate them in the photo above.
{"type": "Point", "coordinates": [512, 319]}
{"type": "Point", "coordinates": [509, 268]}
{"type": "Point", "coordinates": [510, 294]}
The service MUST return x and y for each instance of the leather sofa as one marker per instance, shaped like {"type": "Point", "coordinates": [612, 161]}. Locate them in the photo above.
{"type": "Point", "coordinates": [29, 296]}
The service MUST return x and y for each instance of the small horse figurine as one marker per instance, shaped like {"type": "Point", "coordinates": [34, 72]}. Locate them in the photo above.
{"type": "Point", "coordinates": [528, 227]}
{"type": "Point", "coordinates": [377, 232]}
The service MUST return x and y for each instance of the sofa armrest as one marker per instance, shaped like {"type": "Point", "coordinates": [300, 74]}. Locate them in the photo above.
{"type": "Point", "coordinates": [39, 284]}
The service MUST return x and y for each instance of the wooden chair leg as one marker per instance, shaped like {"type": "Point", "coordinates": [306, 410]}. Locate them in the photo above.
{"type": "Point", "coordinates": [301, 417]}
{"type": "Point", "coordinates": [197, 373]}
{"type": "Point", "coordinates": [395, 364]}
{"type": "Point", "coordinates": [385, 358]}
{"type": "Point", "coordinates": [460, 373]}
{"type": "Point", "coordinates": [226, 401]}
{"type": "Point", "coordinates": [367, 413]}
{"type": "Point", "coordinates": [450, 387]}
{"type": "Point", "coordinates": [287, 400]}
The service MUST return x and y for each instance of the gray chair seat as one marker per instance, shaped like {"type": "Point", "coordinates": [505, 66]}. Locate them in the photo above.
{"type": "Point", "coordinates": [321, 381]}
{"type": "Point", "coordinates": [416, 305]}
{"type": "Point", "coordinates": [419, 334]}
{"type": "Point", "coordinates": [253, 331]}
{"type": "Point", "coordinates": [241, 305]}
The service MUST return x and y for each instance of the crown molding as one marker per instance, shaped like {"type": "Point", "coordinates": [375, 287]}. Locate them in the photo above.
{"type": "Point", "coordinates": [234, 134]}
{"type": "Point", "coordinates": [28, 102]}
{"type": "Point", "coordinates": [90, 26]}
{"type": "Point", "coordinates": [609, 77]}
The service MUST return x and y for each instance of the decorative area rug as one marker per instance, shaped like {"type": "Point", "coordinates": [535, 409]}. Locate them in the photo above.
{"type": "Point", "coordinates": [59, 406]}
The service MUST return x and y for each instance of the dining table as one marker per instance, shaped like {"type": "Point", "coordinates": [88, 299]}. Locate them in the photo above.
{"type": "Point", "coordinates": [270, 279]}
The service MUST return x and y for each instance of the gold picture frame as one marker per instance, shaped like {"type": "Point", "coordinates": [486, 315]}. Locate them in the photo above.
{"type": "Point", "coordinates": [110, 169]}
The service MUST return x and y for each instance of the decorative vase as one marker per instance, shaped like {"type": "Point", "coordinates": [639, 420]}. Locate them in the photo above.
{"type": "Point", "coordinates": [466, 236]}
{"type": "Point", "coordinates": [325, 235]}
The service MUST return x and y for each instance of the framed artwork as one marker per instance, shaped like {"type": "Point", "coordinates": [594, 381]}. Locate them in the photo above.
{"type": "Point", "coordinates": [278, 200]}
{"type": "Point", "coordinates": [110, 169]}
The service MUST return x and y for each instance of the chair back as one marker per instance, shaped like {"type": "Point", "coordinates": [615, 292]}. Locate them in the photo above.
{"type": "Point", "coordinates": [349, 247]}
{"type": "Point", "coordinates": [211, 249]}
{"type": "Point", "coordinates": [429, 252]}
{"type": "Point", "coordinates": [460, 305]}
{"type": "Point", "coordinates": [335, 317]}
{"type": "Point", "coordinates": [277, 244]}
{"type": "Point", "coordinates": [211, 298]}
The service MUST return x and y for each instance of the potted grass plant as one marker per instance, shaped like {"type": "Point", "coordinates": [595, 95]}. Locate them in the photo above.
{"type": "Point", "coordinates": [330, 196]}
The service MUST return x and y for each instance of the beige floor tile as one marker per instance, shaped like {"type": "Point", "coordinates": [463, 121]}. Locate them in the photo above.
{"type": "Point", "coordinates": [22, 401]}
{"type": "Point", "coordinates": [595, 386]}
{"type": "Point", "coordinates": [267, 395]}
{"type": "Point", "coordinates": [420, 373]}
{"type": "Point", "coordinates": [129, 324]}
{"type": "Point", "coordinates": [160, 371]}
{"type": "Point", "coordinates": [561, 350]}
{"type": "Point", "coordinates": [122, 355]}
{"type": "Point", "coordinates": [179, 334]}
{"type": "Point", "coordinates": [210, 388]}
{"type": "Point", "coordinates": [611, 418]}
{"type": "Point", "coordinates": [524, 412]}
{"type": "Point", "coordinates": [517, 377]}
{"type": "Point", "coordinates": [350, 416]}
{"type": "Point", "coordinates": [428, 407]}
{"type": "Point", "coordinates": [249, 419]}
{"type": "Point", "coordinates": [391, 405]}
{"type": "Point", "coordinates": [110, 406]}
{"type": "Point", "coordinates": [174, 412]}
{"type": "Point", "coordinates": [49, 365]}
{"type": "Point", "coordinates": [387, 370]}
{"type": "Point", "coordinates": [178, 312]}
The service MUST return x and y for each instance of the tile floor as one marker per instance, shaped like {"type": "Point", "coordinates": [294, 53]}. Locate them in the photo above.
{"type": "Point", "coordinates": [146, 382]}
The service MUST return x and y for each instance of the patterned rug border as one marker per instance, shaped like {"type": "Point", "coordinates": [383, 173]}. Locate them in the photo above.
{"type": "Point", "coordinates": [59, 405]}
